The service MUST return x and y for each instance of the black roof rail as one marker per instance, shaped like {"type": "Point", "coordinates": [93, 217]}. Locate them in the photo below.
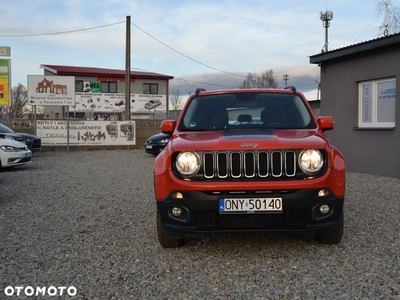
{"type": "Point", "coordinates": [290, 87]}
{"type": "Point", "coordinates": [198, 90]}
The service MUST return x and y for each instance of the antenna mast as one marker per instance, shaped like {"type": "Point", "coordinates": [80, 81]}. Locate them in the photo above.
{"type": "Point", "coordinates": [326, 18]}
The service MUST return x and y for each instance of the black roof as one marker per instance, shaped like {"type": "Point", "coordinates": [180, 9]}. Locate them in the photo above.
{"type": "Point", "coordinates": [390, 41]}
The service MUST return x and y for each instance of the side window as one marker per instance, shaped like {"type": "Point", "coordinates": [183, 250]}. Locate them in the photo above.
{"type": "Point", "coordinates": [78, 86]}
{"type": "Point", "coordinates": [377, 103]}
{"type": "Point", "coordinates": [150, 88]}
{"type": "Point", "coordinates": [108, 87]}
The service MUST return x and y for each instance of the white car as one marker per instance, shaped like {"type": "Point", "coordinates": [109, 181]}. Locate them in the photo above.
{"type": "Point", "coordinates": [13, 153]}
{"type": "Point", "coordinates": [152, 104]}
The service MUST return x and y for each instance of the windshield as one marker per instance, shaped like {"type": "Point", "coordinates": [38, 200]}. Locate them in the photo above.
{"type": "Point", "coordinates": [5, 129]}
{"type": "Point", "coordinates": [246, 110]}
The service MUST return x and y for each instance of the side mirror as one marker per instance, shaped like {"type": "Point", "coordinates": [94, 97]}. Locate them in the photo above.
{"type": "Point", "coordinates": [168, 126]}
{"type": "Point", "coordinates": [326, 123]}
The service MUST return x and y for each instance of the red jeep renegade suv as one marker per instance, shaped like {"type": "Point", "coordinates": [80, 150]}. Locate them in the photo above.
{"type": "Point", "coordinates": [248, 160]}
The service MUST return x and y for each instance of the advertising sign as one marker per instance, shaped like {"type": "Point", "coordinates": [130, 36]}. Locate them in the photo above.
{"type": "Point", "coordinates": [367, 103]}
{"type": "Point", "coordinates": [386, 101]}
{"type": "Point", "coordinates": [5, 51]}
{"type": "Point", "coordinates": [92, 87]}
{"type": "Point", "coordinates": [51, 90]}
{"type": "Point", "coordinates": [106, 103]}
{"type": "Point", "coordinates": [54, 133]}
{"type": "Point", "coordinates": [5, 82]}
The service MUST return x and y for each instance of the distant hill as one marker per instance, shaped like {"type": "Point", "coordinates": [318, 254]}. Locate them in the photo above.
{"type": "Point", "coordinates": [304, 78]}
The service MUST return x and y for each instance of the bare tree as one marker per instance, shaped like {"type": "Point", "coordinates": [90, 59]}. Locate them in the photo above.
{"type": "Point", "coordinates": [3, 110]}
{"type": "Point", "coordinates": [19, 101]}
{"type": "Point", "coordinates": [391, 23]}
{"type": "Point", "coordinates": [265, 80]}
{"type": "Point", "coordinates": [175, 99]}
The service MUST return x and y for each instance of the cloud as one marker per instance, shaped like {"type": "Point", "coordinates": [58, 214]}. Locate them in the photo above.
{"type": "Point", "coordinates": [180, 38]}
{"type": "Point", "coordinates": [304, 77]}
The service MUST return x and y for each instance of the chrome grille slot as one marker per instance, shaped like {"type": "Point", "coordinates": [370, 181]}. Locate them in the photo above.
{"type": "Point", "coordinates": [263, 164]}
{"type": "Point", "coordinates": [236, 165]}
{"type": "Point", "coordinates": [222, 165]}
{"type": "Point", "coordinates": [208, 163]}
{"type": "Point", "coordinates": [249, 164]}
{"type": "Point", "coordinates": [290, 163]}
{"type": "Point", "coordinates": [276, 163]}
{"type": "Point", "coordinates": [227, 165]}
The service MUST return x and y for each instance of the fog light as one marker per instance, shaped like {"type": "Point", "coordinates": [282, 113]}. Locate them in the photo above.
{"type": "Point", "coordinates": [176, 211]}
{"type": "Point", "coordinates": [324, 209]}
{"type": "Point", "coordinates": [323, 193]}
{"type": "Point", "coordinates": [177, 195]}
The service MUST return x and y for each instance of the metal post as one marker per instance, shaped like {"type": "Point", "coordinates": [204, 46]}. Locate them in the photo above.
{"type": "Point", "coordinates": [128, 70]}
{"type": "Point", "coordinates": [67, 128]}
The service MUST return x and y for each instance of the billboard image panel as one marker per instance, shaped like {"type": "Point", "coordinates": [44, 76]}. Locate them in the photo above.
{"type": "Point", "coordinates": [51, 90]}
{"type": "Point", "coordinates": [99, 133]}
{"type": "Point", "coordinates": [5, 82]}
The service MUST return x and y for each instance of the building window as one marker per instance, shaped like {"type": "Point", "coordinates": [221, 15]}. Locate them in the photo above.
{"type": "Point", "coordinates": [78, 86]}
{"type": "Point", "coordinates": [150, 88]}
{"type": "Point", "coordinates": [377, 103]}
{"type": "Point", "coordinates": [108, 87]}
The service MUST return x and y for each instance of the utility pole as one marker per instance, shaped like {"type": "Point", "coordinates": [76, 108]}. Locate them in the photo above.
{"type": "Point", "coordinates": [326, 18]}
{"type": "Point", "coordinates": [286, 79]}
{"type": "Point", "coordinates": [128, 70]}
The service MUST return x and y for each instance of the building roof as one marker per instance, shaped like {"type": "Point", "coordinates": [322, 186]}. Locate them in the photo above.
{"type": "Point", "coordinates": [91, 71]}
{"type": "Point", "coordinates": [391, 41]}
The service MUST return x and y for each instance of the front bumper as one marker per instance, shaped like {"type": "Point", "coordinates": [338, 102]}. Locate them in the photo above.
{"type": "Point", "coordinates": [300, 213]}
{"type": "Point", "coordinates": [153, 148]}
{"type": "Point", "coordinates": [11, 159]}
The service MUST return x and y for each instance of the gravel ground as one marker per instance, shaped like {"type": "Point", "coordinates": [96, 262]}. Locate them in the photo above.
{"type": "Point", "coordinates": [87, 220]}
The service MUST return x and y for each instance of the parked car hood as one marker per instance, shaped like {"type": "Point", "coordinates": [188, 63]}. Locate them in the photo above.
{"type": "Point", "coordinates": [13, 134]}
{"type": "Point", "coordinates": [159, 136]}
{"type": "Point", "coordinates": [27, 135]}
{"type": "Point", "coordinates": [5, 142]}
{"type": "Point", "coordinates": [241, 139]}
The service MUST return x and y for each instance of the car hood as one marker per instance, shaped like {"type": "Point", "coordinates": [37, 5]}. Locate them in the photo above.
{"type": "Point", "coordinates": [159, 136]}
{"type": "Point", "coordinates": [27, 135]}
{"type": "Point", "coordinates": [242, 139]}
{"type": "Point", "coordinates": [4, 142]}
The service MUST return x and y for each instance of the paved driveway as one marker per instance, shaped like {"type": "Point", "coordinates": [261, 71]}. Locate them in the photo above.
{"type": "Point", "coordinates": [83, 224]}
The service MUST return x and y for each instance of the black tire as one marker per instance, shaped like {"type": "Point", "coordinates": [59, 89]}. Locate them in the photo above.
{"type": "Point", "coordinates": [335, 236]}
{"type": "Point", "coordinates": [165, 239]}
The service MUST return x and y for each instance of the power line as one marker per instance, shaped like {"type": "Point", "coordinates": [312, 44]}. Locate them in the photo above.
{"type": "Point", "coordinates": [60, 32]}
{"type": "Point", "coordinates": [219, 70]}
{"type": "Point", "coordinates": [112, 24]}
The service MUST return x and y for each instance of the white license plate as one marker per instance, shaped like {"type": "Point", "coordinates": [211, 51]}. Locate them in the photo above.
{"type": "Point", "coordinates": [227, 205]}
{"type": "Point", "coordinates": [149, 147]}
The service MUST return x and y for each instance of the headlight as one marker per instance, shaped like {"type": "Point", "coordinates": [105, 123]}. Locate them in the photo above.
{"type": "Point", "coordinates": [187, 163]}
{"type": "Point", "coordinates": [9, 148]}
{"type": "Point", "coordinates": [311, 161]}
{"type": "Point", "coordinates": [7, 137]}
{"type": "Point", "coordinates": [164, 141]}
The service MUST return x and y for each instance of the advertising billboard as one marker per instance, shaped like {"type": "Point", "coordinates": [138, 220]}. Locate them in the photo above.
{"type": "Point", "coordinates": [51, 90]}
{"type": "Point", "coordinates": [5, 82]}
{"type": "Point", "coordinates": [99, 133]}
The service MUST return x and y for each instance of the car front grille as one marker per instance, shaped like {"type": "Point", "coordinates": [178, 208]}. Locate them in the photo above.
{"type": "Point", "coordinates": [211, 219]}
{"type": "Point", "coordinates": [274, 164]}
{"type": "Point", "coordinates": [36, 143]}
